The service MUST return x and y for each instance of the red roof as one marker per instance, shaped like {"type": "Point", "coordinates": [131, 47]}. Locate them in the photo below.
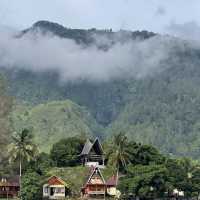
{"type": "Point", "coordinates": [54, 180]}
{"type": "Point", "coordinates": [112, 181]}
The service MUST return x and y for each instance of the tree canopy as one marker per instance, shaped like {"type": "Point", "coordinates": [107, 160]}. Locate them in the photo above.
{"type": "Point", "coordinates": [66, 151]}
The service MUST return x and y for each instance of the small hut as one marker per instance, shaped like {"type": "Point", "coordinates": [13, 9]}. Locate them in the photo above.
{"type": "Point", "coordinates": [92, 154]}
{"type": "Point", "coordinates": [55, 188]}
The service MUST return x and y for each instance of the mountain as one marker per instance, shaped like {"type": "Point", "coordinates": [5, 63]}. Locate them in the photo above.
{"type": "Point", "coordinates": [82, 35]}
{"type": "Point", "coordinates": [53, 121]}
{"type": "Point", "coordinates": [160, 108]}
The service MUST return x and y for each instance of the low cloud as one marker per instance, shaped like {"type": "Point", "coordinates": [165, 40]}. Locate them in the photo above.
{"type": "Point", "coordinates": [41, 53]}
{"type": "Point", "coordinates": [189, 30]}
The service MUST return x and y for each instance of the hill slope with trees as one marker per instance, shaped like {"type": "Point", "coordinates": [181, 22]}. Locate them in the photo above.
{"type": "Point", "coordinates": [53, 121]}
{"type": "Point", "coordinates": [161, 108]}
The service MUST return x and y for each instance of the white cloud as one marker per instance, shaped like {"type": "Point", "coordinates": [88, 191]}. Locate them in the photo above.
{"type": "Point", "coordinates": [72, 61]}
{"type": "Point", "coordinates": [189, 30]}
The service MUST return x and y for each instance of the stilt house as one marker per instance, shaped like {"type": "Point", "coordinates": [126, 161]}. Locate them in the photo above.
{"type": "Point", "coordinates": [92, 154]}
{"type": "Point", "coordinates": [95, 185]}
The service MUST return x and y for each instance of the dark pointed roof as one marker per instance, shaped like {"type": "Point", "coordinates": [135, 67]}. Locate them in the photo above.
{"type": "Point", "coordinates": [87, 147]}
{"type": "Point", "coordinates": [96, 145]}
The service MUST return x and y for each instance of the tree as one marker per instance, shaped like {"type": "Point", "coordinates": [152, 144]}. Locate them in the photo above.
{"type": "Point", "coordinates": [22, 148]}
{"type": "Point", "coordinates": [31, 186]}
{"type": "Point", "coordinates": [195, 179]}
{"type": "Point", "coordinates": [65, 152]}
{"type": "Point", "coordinates": [145, 180]}
{"type": "Point", "coordinates": [146, 154]}
{"type": "Point", "coordinates": [118, 153]}
{"type": "Point", "coordinates": [41, 164]}
{"type": "Point", "coordinates": [180, 173]}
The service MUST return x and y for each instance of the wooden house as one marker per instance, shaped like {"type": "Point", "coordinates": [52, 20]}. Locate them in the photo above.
{"type": "Point", "coordinates": [9, 187]}
{"type": "Point", "coordinates": [92, 154]}
{"type": "Point", "coordinates": [55, 188]}
{"type": "Point", "coordinates": [95, 185]}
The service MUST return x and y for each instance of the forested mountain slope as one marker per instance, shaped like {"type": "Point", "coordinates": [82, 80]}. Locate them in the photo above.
{"type": "Point", "coordinates": [162, 107]}
{"type": "Point", "coordinates": [53, 121]}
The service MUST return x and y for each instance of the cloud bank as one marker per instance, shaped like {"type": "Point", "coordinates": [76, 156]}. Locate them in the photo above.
{"type": "Point", "coordinates": [41, 53]}
{"type": "Point", "coordinates": [189, 30]}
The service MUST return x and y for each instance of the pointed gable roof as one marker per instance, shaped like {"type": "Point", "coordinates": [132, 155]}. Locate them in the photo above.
{"type": "Point", "coordinates": [96, 145]}
{"type": "Point", "coordinates": [54, 180]}
{"type": "Point", "coordinates": [94, 171]}
{"type": "Point", "coordinates": [87, 147]}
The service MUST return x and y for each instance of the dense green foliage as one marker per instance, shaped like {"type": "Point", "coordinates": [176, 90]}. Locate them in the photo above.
{"type": "Point", "coordinates": [146, 173]}
{"type": "Point", "coordinates": [31, 186]}
{"type": "Point", "coordinates": [142, 178]}
{"type": "Point", "coordinates": [55, 120]}
{"type": "Point", "coordinates": [160, 176]}
{"type": "Point", "coordinates": [5, 108]}
{"type": "Point", "coordinates": [65, 152]}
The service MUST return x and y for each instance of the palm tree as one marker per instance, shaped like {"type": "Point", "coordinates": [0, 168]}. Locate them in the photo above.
{"type": "Point", "coordinates": [118, 153]}
{"type": "Point", "coordinates": [22, 148]}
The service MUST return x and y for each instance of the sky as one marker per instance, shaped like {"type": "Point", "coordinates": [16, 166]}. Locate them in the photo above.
{"type": "Point", "coordinates": [161, 16]}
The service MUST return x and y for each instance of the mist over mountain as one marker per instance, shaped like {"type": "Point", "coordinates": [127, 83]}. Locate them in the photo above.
{"type": "Point", "coordinates": [141, 83]}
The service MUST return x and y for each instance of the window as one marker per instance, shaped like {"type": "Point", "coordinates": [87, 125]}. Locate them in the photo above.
{"type": "Point", "coordinates": [46, 190]}
{"type": "Point", "coordinates": [60, 190]}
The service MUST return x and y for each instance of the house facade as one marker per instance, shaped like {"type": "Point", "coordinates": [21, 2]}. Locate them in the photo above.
{"type": "Point", "coordinates": [55, 188]}
{"type": "Point", "coordinates": [9, 187]}
{"type": "Point", "coordinates": [95, 185]}
{"type": "Point", "coordinates": [92, 154]}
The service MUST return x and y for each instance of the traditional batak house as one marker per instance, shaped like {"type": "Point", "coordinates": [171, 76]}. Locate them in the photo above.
{"type": "Point", "coordinates": [9, 187]}
{"type": "Point", "coordinates": [55, 188]}
{"type": "Point", "coordinates": [92, 154]}
{"type": "Point", "coordinates": [95, 185]}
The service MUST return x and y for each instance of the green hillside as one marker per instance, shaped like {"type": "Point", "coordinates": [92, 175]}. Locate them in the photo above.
{"type": "Point", "coordinates": [162, 108]}
{"type": "Point", "coordinates": [55, 120]}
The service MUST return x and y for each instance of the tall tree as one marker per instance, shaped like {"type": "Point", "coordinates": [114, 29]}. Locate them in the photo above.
{"type": "Point", "coordinates": [118, 152]}
{"type": "Point", "coordinates": [22, 148]}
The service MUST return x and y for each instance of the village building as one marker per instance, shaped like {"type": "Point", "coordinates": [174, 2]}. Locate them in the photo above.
{"type": "Point", "coordinates": [9, 187]}
{"type": "Point", "coordinates": [111, 187]}
{"type": "Point", "coordinates": [92, 154]}
{"type": "Point", "coordinates": [55, 188]}
{"type": "Point", "coordinates": [95, 185]}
